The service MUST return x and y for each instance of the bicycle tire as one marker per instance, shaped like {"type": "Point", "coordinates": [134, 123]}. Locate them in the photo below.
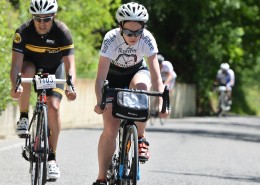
{"type": "Point", "coordinates": [32, 157]}
{"type": "Point", "coordinates": [42, 147]}
{"type": "Point", "coordinates": [128, 170]}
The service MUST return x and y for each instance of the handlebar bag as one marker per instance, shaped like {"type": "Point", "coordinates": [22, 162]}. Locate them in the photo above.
{"type": "Point", "coordinates": [131, 106]}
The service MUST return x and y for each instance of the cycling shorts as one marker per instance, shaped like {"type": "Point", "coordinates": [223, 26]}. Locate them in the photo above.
{"type": "Point", "coordinates": [123, 81]}
{"type": "Point", "coordinates": [59, 72]}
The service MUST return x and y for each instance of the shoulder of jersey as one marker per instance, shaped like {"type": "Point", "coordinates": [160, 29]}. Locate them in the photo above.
{"type": "Point", "coordinates": [17, 36]}
{"type": "Point", "coordinates": [113, 32]}
{"type": "Point", "coordinates": [61, 25]}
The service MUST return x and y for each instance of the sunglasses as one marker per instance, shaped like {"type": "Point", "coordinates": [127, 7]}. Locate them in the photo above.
{"type": "Point", "coordinates": [44, 19]}
{"type": "Point", "coordinates": [130, 33]}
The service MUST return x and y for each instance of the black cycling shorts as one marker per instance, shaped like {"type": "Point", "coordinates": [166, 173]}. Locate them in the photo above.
{"type": "Point", "coordinates": [122, 81]}
{"type": "Point", "coordinates": [59, 72]}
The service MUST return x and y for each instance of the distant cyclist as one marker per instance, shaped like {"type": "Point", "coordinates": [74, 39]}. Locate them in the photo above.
{"type": "Point", "coordinates": [46, 43]}
{"type": "Point", "coordinates": [226, 77]}
{"type": "Point", "coordinates": [167, 72]}
{"type": "Point", "coordinates": [121, 63]}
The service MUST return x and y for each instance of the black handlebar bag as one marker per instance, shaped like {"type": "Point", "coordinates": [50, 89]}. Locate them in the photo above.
{"type": "Point", "coordinates": [131, 106]}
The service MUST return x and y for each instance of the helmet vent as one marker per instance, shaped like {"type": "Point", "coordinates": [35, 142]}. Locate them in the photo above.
{"type": "Point", "coordinates": [45, 5]}
{"type": "Point", "coordinates": [134, 9]}
{"type": "Point", "coordinates": [32, 9]}
{"type": "Point", "coordinates": [50, 8]}
{"type": "Point", "coordinates": [37, 6]}
{"type": "Point", "coordinates": [127, 14]}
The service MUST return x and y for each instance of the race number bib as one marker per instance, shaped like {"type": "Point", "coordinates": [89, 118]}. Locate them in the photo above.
{"type": "Point", "coordinates": [45, 83]}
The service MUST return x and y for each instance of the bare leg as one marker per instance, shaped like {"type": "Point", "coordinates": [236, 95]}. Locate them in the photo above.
{"type": "Point", "coordinates": [54, 121]}
{"type": "Point", "coordinates": [141, 81]}
{"type": "Point", "coordinates": [28, 71]}
{"type": "Point", "coordinates": [107, 142]}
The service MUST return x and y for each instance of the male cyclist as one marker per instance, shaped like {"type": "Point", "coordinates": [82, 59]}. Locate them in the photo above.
{"type": "Point", "coordinates": [121, 63]}
{"type": "Point", "coordinates": [43, 43]}
{"type": "Point", "coordinates": [167, 72]}
{"type": "Point", "coordinates": [226, 77]}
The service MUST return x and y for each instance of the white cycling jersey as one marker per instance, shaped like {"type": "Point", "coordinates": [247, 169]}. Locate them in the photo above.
{"type": "Point", "coordinates": [165, 69]}
{"type": "Point", "coordinates": [123, 55]}
{"type": "Point", "coordinates": [227, 79]}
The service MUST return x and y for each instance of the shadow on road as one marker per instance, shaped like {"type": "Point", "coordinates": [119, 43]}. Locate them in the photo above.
{"type": "Point", "coordinates": [211, 133]}
{"type": "Point", "coordinates": [229, 177]}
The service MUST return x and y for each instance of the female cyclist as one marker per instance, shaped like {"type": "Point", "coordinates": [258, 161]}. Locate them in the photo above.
{"type": "Point", "coordinates": [122, 63]}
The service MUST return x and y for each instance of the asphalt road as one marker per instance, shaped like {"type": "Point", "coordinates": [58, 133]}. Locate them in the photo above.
{"type": "Point", "coordinates": [189, 151]}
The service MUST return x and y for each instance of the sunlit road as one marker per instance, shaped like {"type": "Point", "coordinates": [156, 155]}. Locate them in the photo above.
{"type": "Point", "coordinates": [190, 151]}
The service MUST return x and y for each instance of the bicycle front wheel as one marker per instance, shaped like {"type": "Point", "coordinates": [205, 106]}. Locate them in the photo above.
{"type": "Point", "coordinates": [41, 147]}
{"type": "Point", "coordinates": [128, 169]}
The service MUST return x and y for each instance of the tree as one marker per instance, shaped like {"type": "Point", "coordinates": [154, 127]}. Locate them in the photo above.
{"type": "Point", "coordinates": [198, 35]}
{"type": "Point", "coordinates": [8, 21]}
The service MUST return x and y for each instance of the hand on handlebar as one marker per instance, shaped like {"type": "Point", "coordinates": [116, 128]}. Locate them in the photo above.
{"type": "Point", "coordinates": [71, 95]}
{"type": "Point", "coordinates": [98, 110]}
{"type": "Point", "coordinates": [165, 114]}
{"type": "Point", "coordinates": [70, 91]}
{"type": "Point", "coordinates": [16, 92]}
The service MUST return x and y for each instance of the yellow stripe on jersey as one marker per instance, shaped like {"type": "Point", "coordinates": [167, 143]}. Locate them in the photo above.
{"type": "Point", "coordinates": [58, 90]}
{"type": "Point", "coordinates": [40, 49]}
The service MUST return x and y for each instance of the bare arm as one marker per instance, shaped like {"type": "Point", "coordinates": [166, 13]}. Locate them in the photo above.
{"type": "Point", "coordinates": [155, 73]}
{"type": "Point", "coordinates": [103, 67]}
{"type": "Point", "coordinates": [168, 79]}
{"type": "Point", "coordinates": [16, 67]}
{"type": "Point", "coordinates": [69, 63]}
{"type": "Point", "coordinates": [156, 78]}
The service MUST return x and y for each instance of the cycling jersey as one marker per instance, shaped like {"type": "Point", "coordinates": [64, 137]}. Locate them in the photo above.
{"type": "Point", "coordinates": [45, 51]}
{"type": "Point", "coordinates": [166, 67]}
{"type": "Point", "coordinates": [226, 79]}
{"type": "Point", "coordinates": [126, 59]}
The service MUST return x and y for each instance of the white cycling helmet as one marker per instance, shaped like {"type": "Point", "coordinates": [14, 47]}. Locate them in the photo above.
{"type": "Point", "coordinates": [43, 7]}
{"type": "Point", "coordinates": [132, 12]}
{"type": "Point", "coordinates": [224, 66]}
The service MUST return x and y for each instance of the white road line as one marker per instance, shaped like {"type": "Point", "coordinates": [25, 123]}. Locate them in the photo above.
{"type": "Point", "coordinates": [11, 146]}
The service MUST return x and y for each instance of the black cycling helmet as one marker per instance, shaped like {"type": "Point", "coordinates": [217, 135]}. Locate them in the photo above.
{"type": "Point", "coordinates": [160, 58]}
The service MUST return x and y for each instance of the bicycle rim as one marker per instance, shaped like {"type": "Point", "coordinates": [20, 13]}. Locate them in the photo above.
{"type": "Point", "coordinates": [129, 163]}
{"type": "Point", "coordinates": [32, 156]}
{"type": "Point", "coordinates": [42, 145]}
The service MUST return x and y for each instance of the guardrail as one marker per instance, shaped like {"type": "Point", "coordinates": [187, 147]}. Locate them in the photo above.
{"type": "Point", "coordinates": [80, 113]}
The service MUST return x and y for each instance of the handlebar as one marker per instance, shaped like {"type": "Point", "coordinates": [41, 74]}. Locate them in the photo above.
{"type": "Point", "coordinates": [20, 80]}
{"type": "Point", "coordinates": [164, 95]}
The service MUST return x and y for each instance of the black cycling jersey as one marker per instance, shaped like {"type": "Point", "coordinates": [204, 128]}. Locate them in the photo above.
{"type": "Point", "coordinates": [45, 51]}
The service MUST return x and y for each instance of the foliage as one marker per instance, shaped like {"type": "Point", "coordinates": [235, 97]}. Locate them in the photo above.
{"type": "Point", "coordinates": [198, 35]}
{"type": "Point", "coordinates": [8, 21]}
{"type": "Point", "coordinates": [195, 35]}
{"type": "Point", "coordinates": [87, 21]}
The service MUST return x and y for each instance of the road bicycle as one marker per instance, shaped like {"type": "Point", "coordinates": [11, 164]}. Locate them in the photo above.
{"type": "Point", "coordinates": [36, 147]}
{"type": "Point", "coordinates": [124, 167]}
{"type": "Point", "coordinates": [223, 101]}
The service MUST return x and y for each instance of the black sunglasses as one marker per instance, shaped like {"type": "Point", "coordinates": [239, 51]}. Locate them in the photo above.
{"type": "Point", "coordinates": [44, 19]}
{"type": "Point", "coordinates": [130, 33]}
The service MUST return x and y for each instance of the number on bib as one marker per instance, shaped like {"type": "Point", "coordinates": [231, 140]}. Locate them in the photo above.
{"type": "Point", "coordinates": [45, 83]}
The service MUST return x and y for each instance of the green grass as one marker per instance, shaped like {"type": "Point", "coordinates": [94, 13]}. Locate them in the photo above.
{"type": "Point", "coordinates": [253, 98]}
